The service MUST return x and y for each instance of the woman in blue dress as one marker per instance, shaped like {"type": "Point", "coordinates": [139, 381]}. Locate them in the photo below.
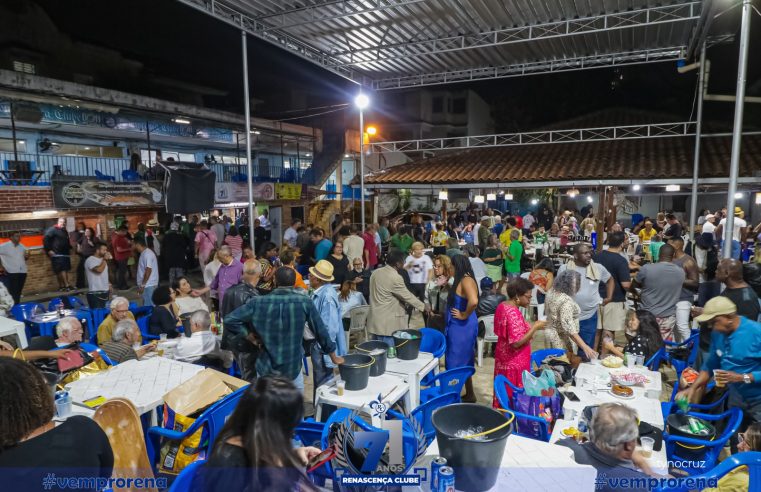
{"type": "Point", "coordinates": [462, 324]}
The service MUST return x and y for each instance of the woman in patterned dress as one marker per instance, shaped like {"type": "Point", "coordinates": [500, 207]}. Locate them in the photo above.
{"type": "Point", "coordinates": [513, 353]}
{"type": "Point", "coordinates": [562, 331]}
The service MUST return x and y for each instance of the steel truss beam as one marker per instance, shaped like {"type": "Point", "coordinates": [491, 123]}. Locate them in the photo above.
{"type": "Point", "coordinates": [660, 130]}
{"type": "Point", "coordinates": [329, 11]}
{"type": "Point", "coordinates": [281, 39]}
{"type": "Point", "coordinates": [531, 68]}
{"type": "Point", "coordinates": [607, 22]}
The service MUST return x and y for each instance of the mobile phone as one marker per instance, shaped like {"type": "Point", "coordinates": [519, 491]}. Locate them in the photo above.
{"type": "Point", "coordinates": [571, 396]}
{"type": "Point", "coordinates": [320, 459]}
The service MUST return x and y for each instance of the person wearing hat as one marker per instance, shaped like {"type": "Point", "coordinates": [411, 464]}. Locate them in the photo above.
{"type": "Point", "coordinates": [489, 299]}
{"type": "Point", "coordinates": [734, 357]}
{"type": "Point", "coordinates": [325, 299]}
{"type": "Point", "coordinates": [739, 227]}
{"type": "Point", "coordinates": [152, 236]}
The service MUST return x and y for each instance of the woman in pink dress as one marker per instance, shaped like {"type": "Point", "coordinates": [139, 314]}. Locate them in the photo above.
{"type": "Point", "coordinates": [513, 353]}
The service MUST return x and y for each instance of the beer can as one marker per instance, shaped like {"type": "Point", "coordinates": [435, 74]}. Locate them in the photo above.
{"type": "Point", "coordinates": [391, 352]}
{"type": "Point", "coordinates": [445, 479]}
{"type": "Point", "coordinates": [437, 463]}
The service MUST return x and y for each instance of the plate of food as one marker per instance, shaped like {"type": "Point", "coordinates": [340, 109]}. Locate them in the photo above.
{"type": "Point", "coordinates": [625, 378]}
{"type": "Point", "coordinates": [623, 392]}
{"type": "Point", "coordinates": [612, 361]}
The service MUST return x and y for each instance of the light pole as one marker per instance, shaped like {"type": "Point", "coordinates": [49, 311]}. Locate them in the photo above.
{"type": "Point", "coordinates": [362, 102]}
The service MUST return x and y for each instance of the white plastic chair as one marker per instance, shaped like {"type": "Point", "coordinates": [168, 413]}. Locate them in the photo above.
{"type": "Point", "coordinates": [358, 317]}
{"type": "Point", "coordinates": [489, 336]}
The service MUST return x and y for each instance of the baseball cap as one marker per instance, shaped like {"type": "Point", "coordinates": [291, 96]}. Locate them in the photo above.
{"type": "Point", "coordinates": [487, 283]}
{"type": "Point", "coordinates": [717, 306]}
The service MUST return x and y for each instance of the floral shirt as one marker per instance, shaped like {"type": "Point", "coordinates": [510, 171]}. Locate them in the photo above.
{"type": "Point", "coordinates": [562, 320]}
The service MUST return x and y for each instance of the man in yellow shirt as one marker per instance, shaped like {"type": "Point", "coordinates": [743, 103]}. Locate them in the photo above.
{"type": "Point", "coordinates": [504, 238]}
{"type": "Point", "coordinates": [645, 236]}
{"type": "Point", "coordinates": [119, 311]}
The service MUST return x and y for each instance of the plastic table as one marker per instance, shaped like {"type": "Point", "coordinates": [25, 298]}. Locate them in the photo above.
{"type": "Point", "coordinates": [10, 326]}
{"type": "Point", "coordinates": [391, 388]}
{"type": "Point", "coordinates": [414, 371]}
{"type": "Point", "coordinates": [589, 372]}
{"type": "Point", "coordinates": [46, 322]}
{"type": "Point", "coordinates": [528, 464]}
{"type": "Point", "coordinates": [648, 409]}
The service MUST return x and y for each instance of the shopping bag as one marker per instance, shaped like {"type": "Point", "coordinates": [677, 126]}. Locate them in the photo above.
{"type": "Point", "coordinates": [548, 408]}
{"type": "Point", "coordinates": [543, 385]}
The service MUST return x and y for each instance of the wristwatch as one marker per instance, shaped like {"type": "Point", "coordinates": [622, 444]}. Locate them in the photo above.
{"type": "Point", "coordinates": [746, 378]}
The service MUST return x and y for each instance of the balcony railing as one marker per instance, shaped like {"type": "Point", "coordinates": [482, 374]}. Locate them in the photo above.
{"type": "Point", "coordinates": [43, 167]}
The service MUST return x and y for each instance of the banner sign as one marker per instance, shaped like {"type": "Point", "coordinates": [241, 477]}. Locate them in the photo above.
{"type": "Point", "coordinates": [288, 191]}
{"type": "Point", "coordinates": [86, 193]}
{"type": "Point", "coordinates": [226, 193]}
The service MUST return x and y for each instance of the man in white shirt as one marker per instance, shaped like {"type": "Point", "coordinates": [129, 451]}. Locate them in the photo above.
{"type": "Point", "coordinates": [96, 271]}
{"type": "Point", "coordinates": [291, 234]}
{"type": "Point", "coordinates": [147, 272]}
{"type": "Point", "coordinates": [219, 230]}
{"type": "Point", "coordinates": [738, 232]}
{"type": "Point", "coordinates": [264, 221]}
{"type": "Point", "coordinates": [13, 256]}
{"type": "Point", "coordinates": [528, 221]}
{"type": "Point", "coordinates": [354, 245]}
{"type": "Point", "coordinates": [202, 343]}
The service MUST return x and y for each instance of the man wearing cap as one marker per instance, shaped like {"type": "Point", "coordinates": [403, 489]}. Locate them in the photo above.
{"type": "Point", "coordinates": [325, 300]}
{"type": "Point", "coordinates": [489, 299]}
{"type": "Point", "coordinates": [734, 357]}
{"type": "Point", "coordinates": [738, 232]}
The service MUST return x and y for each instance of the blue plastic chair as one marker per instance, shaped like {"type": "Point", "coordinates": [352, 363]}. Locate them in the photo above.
{"type": "Point", "coordinates": [538, 356]}
{"type": "Point", "coordinates": [655, 361]}
{"type": "Point", "coordinates": [184, 481]}
{"type": "Point", "coordinates": [500, 390]}
{"type": "Point", "coordinates": [129, 175]}
{"type": "Point", "coordinates": [309, 432]}
{"type": "Point", "coordinates": [433, 342]}
{"type": "Point", "coordinates": [23, 312]}
{"type": "Point", "coordinates": [424, 412]}
{"type": "Point", "coordinates": [450, 381]}
{"type": "Point", "coordinates": [751, 459]}
{"type": "Point", "coordinates": [213, 418]}
{"type": "Point", "coordinates": [88, 347]}
{"type": "Point", "coordinates": [710, 455]}
{"type": "Point", "coordinates": [53, 303]}
{"type": "Point", "coordinates": [669, 407]}
{"type": "Point", "coordinates": [103, 177]}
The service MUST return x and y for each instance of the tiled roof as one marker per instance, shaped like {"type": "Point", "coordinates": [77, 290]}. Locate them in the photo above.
{"type": "Point", "coordinates": [647, 158]}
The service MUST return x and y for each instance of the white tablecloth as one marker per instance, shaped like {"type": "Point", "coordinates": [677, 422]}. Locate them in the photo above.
{"type": "Point", "coordinates": [10, 326]}
{"type": "Point", "coordinates": [531, 465]}
{"type": "Point", "coordinates": [143, 382]}
{"type": "Point", "coordinates": [390, 387]}
{"type": "Point", "coordinates": [589, 372]}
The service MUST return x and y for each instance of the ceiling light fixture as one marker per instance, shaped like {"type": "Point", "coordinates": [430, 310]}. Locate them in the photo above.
{"type": "Point", "coordinates": [738, 195]}
{"type": "Point", "coordinates": [491, 197]}
{"type": "Point", "coordinates": [534, 201]}
{"type": "Point", "coordinates": [589, 199]}
{"type": "Point", "coordinates": [758, 198]}
{"type": "Point", "coordinates": [573, 192]}
{"type": "Point", "coordinates": [508, 196]}
{"type": "Point", "coordinates": [673, 188]}
{"type": "Point", "coordinates": [181, 121]}
{"type": "Point", "coordinates": [479, 199]}
{"type": "Point", "coordinates": [636, 187]}
{"type": "Point", "coordinates": [443, 195]}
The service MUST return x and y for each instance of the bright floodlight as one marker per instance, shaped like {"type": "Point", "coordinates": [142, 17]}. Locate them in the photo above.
{"type": "Point", "coordinates": [738, 195]}
{"type": "Point", "coordinates": [362, 101]}
{"type": "Point", "coordinates": [534, 201]}
{"type": "Point", "coordinates": [636, 187]}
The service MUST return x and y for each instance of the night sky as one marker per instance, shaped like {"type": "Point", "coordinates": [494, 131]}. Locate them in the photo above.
{"type": "Point", "coordinates": [176, 41]}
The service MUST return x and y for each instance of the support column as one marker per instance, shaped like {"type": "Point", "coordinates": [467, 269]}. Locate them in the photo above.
{"type": "Point", "coordinates": [249, 163]}
{"type": "Point", "coordinates": [696, 157]}
{"type": "Point", "coordinates": [734, 167]}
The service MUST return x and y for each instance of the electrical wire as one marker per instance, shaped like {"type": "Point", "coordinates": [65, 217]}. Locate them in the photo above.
{"type": "Point", "coordinates": [312, 115]}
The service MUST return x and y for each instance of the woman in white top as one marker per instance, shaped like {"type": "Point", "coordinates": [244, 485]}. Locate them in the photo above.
{"type": "Point", "coordinates": [478, 265]}
{"type": "Point", "coordinates": [184, 300]}
{"type": "Point", "coordinates": [350, 298]}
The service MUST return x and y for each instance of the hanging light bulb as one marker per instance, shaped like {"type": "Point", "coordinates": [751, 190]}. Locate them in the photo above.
{"type": "Point", "coordinates": [443, 195]}
{"type": "Point", "coordinates": [573, 192]}
{"type": "Point", "coordinates": [534, 201]}
{"type": "Point", "coordinates": [738, 195]}
{"type": "Point", "coordinates": [636, 187]}
{"type": "Point", "coordinates": [589, 199]}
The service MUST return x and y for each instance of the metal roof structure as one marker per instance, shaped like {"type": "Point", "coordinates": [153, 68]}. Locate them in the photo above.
{"type": "Point", "coordinates": [391, 44]}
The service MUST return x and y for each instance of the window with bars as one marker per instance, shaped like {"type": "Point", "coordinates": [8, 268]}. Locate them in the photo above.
{"type": "Point", "coordinates": [19, 66]}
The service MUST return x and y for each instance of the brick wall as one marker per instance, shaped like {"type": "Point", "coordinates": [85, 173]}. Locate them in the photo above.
{"type": "Point", "coordinates": [40, 276]}
{"type": "Point", "coordinates": [25, 198]}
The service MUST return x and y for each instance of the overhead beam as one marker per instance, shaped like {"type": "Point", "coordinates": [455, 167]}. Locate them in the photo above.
{"type": "Point", "coordinates": [588, 183]}
{"type": "Point", "coordinates": [531, 68]}
{"type": "Point", "coordinates": [627, 132]}
{"type": "Point", "coordinates": [644, 17]}
{"type": "Point", "coordinates": [329, 11]}
{"type": "Point", "coordinates": [278, 38]}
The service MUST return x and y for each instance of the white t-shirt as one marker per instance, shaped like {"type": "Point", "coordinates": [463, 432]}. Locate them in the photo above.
{"type": "Point", "coordinates": [290, 237]}
{"type": "Point", "coordinates": [13, 257]}
{"type": "Point", "coordinates": [708, 227]}
{"type": "Point", "coordinates": [96, 282]}
{"type": "Point", "coordinates": [736, 226]}
{"type": "Point", "coordinates": [528, 221]}
{"type": "Point", "coordinates": [148, 260]}
{"type": "Point", "coordinates": [420, 268]}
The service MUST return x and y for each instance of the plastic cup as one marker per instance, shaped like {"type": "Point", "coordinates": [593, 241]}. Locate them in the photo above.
{"type": "Point", "coordinates": [63, 407]}
{"type": "Point", "coordinates": [647, 446]}
{"type": "Point", "coordinates": [162, 337]}
{"type": "Point", "coordinates": [340, 388]}
{"type": "Point", "coordinates": [630, 360]}
{"type": "Point", "coordinates": [640, 360]}
{"type": "Point", "coordinates": [716, 372]}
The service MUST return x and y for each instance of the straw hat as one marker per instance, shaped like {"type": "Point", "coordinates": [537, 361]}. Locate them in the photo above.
{"type": "Point", "coordinates": [739, 212]}
{"type": "Point", "coordinates": [322, 270]}
{"type": "Point", "coordinates": [153, 223]}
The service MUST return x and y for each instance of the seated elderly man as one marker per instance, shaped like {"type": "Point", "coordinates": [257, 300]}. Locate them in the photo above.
{"type": "Point", "coordinates": [119, 311]}
{"type": "Point", "coordinates": [69, 331]}
{"type": "Point", "coordinates": [613, 435]}
{"type": "Point", "coordinates": [125, 336]}
{"type": "Point", "coordinates": [202, 345]}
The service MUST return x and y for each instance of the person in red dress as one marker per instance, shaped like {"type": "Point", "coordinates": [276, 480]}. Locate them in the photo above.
{"type": "Point", "coordinates": [513, 353]}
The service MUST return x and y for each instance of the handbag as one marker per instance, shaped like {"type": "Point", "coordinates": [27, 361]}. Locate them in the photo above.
{"type": "Point", "coordinates": [547, 407]}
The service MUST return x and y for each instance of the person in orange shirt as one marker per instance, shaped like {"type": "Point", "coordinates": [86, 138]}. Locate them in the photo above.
{"type": "Point", "coordinates": [288, 258]}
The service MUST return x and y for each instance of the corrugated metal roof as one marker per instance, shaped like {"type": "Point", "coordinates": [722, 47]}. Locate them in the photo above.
{"type": "Point", "coordinates": [391, 38]}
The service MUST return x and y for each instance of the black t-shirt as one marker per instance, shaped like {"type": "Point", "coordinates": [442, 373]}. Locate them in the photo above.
{"type": "Point", "coordinates": [340, 268]}
{"type": "Point", "coordinates": [76, 448]}
{"type": "Point", "coordinates": [619, 270]}
{"type": "Point", "coordinates": [638, 346]}
{"type": "Point", "coordinates": [364, 285]}
{"type": "Point", "coordinates": [746, 301]}
{"type": "Point", "coordinates": [673, 230]}
{"type": "Point", "coordinates": [163, 321]}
